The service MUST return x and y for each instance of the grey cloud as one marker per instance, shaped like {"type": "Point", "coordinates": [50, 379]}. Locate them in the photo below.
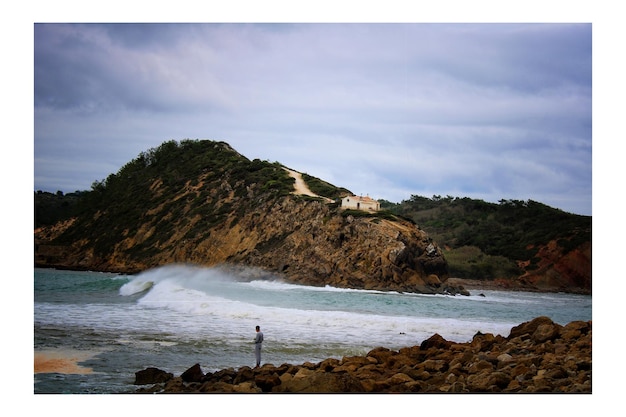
{"type": "Point", "coordinates": [482, 109]}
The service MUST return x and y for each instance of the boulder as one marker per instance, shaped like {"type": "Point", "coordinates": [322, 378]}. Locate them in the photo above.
{"type": "Point", "coordinates": [483, 341]}
{"type": "Point", "coordinates": [152, 376]}
{"type": "Point", "coordinates": [193, 374]}
{"type": "Point", "coordinates": [435, 341]}
{"type": "Point", "coordinates": [539, 358]}
{"type": "Point", "coordinates": [247, 388]}
{"type": "Point", "coordinates": [545, 332]}
{"type": "Point", "coordinates": [529, 327]}
{"type": "Point", "coordinates": [381, 354]}
{"type": "Point", "coordinates": [322, 382]}
{"type": "Point", "coordinates": [504, 358]}
{"type": "Point", "coordinates": [434, 365]}
{"type": "Point", "coordinates": [267, 381]}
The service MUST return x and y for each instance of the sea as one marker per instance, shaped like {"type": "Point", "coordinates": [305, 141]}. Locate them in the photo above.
{"type": "Point", "coordinates": [93, 331]}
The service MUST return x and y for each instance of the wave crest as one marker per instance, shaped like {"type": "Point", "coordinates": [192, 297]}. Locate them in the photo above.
{"type": "Point", "coordinates": [135, 287]}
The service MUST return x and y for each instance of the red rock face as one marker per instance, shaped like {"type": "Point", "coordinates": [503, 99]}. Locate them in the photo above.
{"type": "Point", "coordinates": [561, 271]}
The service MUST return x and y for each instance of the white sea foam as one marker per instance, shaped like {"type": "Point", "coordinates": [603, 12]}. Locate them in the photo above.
{"type": "Point", "coordinates": [196, 302]}
{"type": "Point", "coordinates": [280, 285]}
{"type": "Point", "coordinates": [135, 287]}
{"type": "Point", "coordinates": [197, 314]}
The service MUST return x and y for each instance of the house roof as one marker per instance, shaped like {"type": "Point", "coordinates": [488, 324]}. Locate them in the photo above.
{"type": "Point", "coordinates": [366, 199]}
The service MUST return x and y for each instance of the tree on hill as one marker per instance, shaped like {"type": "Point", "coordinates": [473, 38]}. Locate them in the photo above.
{"type": "Point", "coordinates": [486, 240]}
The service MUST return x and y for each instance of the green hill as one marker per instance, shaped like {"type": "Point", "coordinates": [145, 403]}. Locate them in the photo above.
{"type": "Point", "coordinates": [487, 240]}
{"type": "Point", "coordinates": [201, 202]}
{"type": "Point", "coordinates": [185, 193]}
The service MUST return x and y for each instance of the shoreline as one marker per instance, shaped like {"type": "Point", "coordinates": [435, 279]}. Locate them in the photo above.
{"type": "Point", "coordinates": [467, 284]}
{"type": "Point", "coordinates": [62, 361]}
{"type": "Point", "coordinates": [538, 356]}
{"type": "Point", "coordinates": [476, 285]}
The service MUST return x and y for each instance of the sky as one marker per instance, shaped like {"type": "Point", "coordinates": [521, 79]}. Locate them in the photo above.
{"type": "Point", "coordinates": [487, 111]}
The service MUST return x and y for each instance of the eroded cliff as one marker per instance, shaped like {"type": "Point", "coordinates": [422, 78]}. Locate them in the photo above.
{"type": "Point", "coordinates": [240, 213]}
{"type": "Point", "coordinates": [305, 240]}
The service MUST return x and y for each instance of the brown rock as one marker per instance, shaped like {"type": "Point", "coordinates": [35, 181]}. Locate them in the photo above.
{"type": "Point", "coordinates": [399, 361]}
{"type": "Point", "coordinates": [368, 384]}
{"type": "Point", "coordinates": [457, 387]}
{"type": "Point", "coordinates": [329, 364]}
{"type": "Point", "coordinates": [422, 375]}
{"type": "Point", "coordinates": [220, 386]}
{"type": "Point", "coordinates": [504, 358]}
{"type": "Point", "coordinates": [381, 354]}
{"type": "Point", "coordinates": [245, 374]}
{"type": "Point", "coordinates": [499, 379]}
{"type": "Point", "coordinates": [529, 327]}
{"type": "Point", "coordinates": [247, 388]}
{"type": "Point", "coordinates": [435, 341]}
{"type": "Point", "coordinates": [369, 372]}
{"type": "Point", "coordinates": [152, 376]}
{"type": "Point", "coordinates": [322, 382]}
{"type": "Point", "coordinates": [433, 279]}
{"type": "Point", "coordinates": [351, 364]}
{"type": "Point", "coordinates": [537, 359]}
{"type": "Point", "coordinates": [193, 374]}
{"type": "Point", "coordinates": [479, 382]}
{"type": "Point", "coordinates": [267, 381]}
{"type": "Point", "coordinates": [545, 332]}
{"type": "Point", "coordinates": [398, 379]}
{"type": "Point", "coordinates": [480, 366]}
{"type": "Point", "coordinates": [432, 365]}
{"type": "Point", "coordinates": [483, 341]}
{"type": "Point", "coordinates": [574, 330]}
{"type": "Point", "coordinates": [174, 385]}
{"type": "Point", "coordinates": [225, 375]}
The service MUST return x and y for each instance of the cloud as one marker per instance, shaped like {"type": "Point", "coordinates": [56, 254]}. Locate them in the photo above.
{"type": "Point", "coordinates": [486, 111]}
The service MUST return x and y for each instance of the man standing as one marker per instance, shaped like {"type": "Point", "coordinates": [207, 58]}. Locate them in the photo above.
{"type": "Point", "coordinates": [258, 340]}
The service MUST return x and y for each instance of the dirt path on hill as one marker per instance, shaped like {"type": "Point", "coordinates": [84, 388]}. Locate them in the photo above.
{"type": "Point", "coordinates": [300, 186]}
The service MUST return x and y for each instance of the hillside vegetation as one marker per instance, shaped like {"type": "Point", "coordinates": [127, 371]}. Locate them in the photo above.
{"type": "Point", "coordinates": [181, 198]}
{"type": "Point", "coordinates": [192, 170]}
{"type": "Point", "coordinates": [488, 241]}
{"type": "Point", "coordinates": [201, 202]}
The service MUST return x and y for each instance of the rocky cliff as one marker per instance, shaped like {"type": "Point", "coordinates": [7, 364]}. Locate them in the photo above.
{"type": "Point", "coordinates": [201, 202]}
{"type": "Point", "coordinates": [557, 270]}
{"type": "Point", "coordinates": [305, 241]}
{"type": "Point", "coordinates": [315, 244]}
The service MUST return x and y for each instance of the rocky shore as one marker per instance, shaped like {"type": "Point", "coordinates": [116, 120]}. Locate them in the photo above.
{"type": "Point", "coordinates": [476, 286]}
{"type": "Point", "coordinates": [538, 356]}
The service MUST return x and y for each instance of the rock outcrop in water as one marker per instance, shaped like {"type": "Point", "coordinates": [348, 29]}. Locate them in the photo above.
{"type": "Point", "coordinates": [537, 356]}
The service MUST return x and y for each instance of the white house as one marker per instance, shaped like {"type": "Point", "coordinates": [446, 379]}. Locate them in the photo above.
{"type": "Point", "coordinates": [360, 203]}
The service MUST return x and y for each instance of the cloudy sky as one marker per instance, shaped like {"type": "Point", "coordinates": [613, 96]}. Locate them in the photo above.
{"type": "Point", "coordinates": [487, 111]}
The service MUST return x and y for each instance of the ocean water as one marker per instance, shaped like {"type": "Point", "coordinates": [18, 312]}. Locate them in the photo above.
{"type": "Point", "coordinates": [93, 331]}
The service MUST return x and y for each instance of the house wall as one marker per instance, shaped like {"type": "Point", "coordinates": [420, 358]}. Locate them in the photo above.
{"type": "Point", "coordinates": [359, 203]}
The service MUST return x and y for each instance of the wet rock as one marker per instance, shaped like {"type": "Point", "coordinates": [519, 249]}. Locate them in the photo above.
{"type": "Point", "coordinates": [152, 376]}
{"type": "Point", "coordinates": [193, 374]}
{"type": "Point", "coordinates": [528, 328]}
{"type": "Point", "coordinates": [435, 341]}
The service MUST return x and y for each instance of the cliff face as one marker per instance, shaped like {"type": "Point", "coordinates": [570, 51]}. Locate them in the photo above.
{"type": "Point", "coordinates": [557, 270]}
{"type": "Point", "coordinates": [304, 240]}
{"type": "Point", "coordinates": [314, 244]}
{"type": "Point", "coordinates": [238, 213]}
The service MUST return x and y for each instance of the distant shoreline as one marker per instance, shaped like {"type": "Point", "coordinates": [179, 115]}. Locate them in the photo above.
{"type": "Point", "coordinates": [476, 285]}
